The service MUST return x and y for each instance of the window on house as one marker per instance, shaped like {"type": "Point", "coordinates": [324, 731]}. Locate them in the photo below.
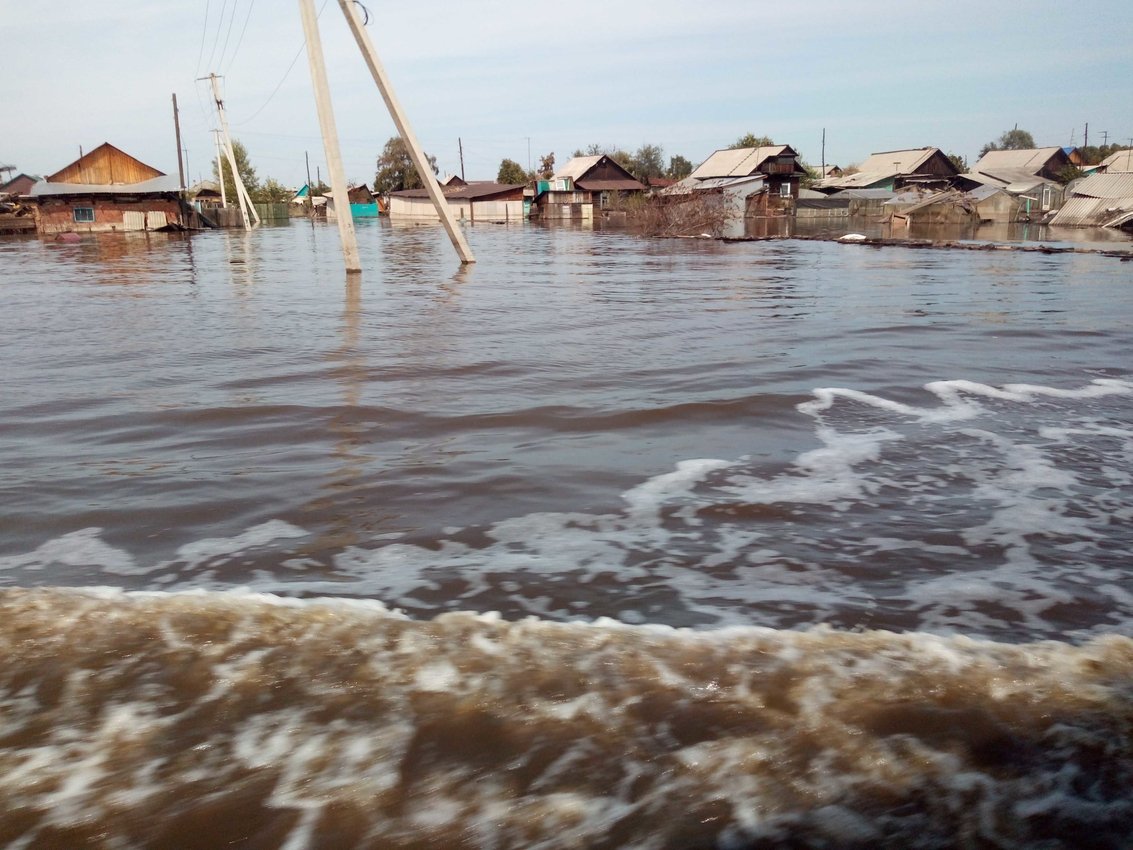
{"type": "Point", "coordinates": [84, 214]}
{"type": "Point", "coordinates": [784, 190]}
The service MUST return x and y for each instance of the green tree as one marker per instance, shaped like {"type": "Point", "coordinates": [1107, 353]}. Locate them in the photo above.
{"type": "Point", "coordinates": [547, 165]}
{"type": "Point", "coordinates": [750, 140]}
{"type": "Point", "coordinates": [679, 168]}
{"type": "Point", "coordinates": [1093, 154]}
{"type": "Point", "coordinates": [247, 173]}
{"type": "Point", "coordinates": [959, 162]}
{"type": "Point", "coordinates": [647, 162]}
{"type": "Point", "coordinates": [272, 192]}
{"type": "Point", "coordinates": [620, 156]}
{"type": "Point", "coordinates": [1011, 140]}
{"type": "Point", "coordinates": [396, 170]}
{"type": "Point", "coordinates": [511, 172]}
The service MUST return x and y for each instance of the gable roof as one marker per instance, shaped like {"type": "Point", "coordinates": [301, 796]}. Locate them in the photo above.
{"type": "Point", "coordinates": [19, 185]}
{"type": "Point", "coordinates": [1016, 181]}
{"type": "Point", "coordinates": [578, 166]}
{"type": "Point", "coordinates": [158, 185]}
{"type": "Point", "coordinates": [1119, 161]}
{"type": "Point", "coordinates": [738, 162]}
{"type": "Point", "coordinates": [580, 170]}
{"type": "Point", "coordinates": [885, 165]}
{"type": "Point", "coordinates": [1029, 161]}
{"type": "Point", "coordinates": [106, 165]}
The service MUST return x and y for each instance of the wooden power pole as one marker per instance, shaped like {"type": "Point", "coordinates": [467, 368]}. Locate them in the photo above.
{"type": "Point", "coordinates": [424, 170]}
{"type": "Point", "coordinates": [177, 133]}
{"type": "Point", "coordinates": [330, 138]}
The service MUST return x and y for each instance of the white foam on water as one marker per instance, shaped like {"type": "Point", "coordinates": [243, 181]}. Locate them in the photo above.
{"type": "Point", "coordinates": [995, 511]}
{"type": "Point", "coordinates": [580, 729]}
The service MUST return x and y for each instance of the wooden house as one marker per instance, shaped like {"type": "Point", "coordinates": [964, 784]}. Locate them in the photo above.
{"type": "Point", "coordinates": [583, 185]}
{"type": "Point", "coordinates": [759, 181]}
{"type": "Point", "coordinates": [18, 186]}
{"type": "Point", "coordinates": [108, 190]}
{"type": "Point", "coordinates": [1016, 166]}
{"type": "Point", "coordinates": [927, 168]}
{"type": "Point", "coordinates": [1035, 176]}
{"type": "Point", "coordinates": [1117, 161]}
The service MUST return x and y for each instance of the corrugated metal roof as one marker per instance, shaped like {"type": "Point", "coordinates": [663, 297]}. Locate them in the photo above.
{"type": "Point", "coordinates": [868, 194]}
{"type": "Point", "coordinates": [1120, 161]}
{"type": "Point", "coordinates": [691, 184]}
{"type": "Point", "coordinates": [1030, 160]}
{"type": "Point", "coordinates": [735, 162]}
{"type": "Point", "coordinates": [1014, 180]}
{"type": "Point", "coordinates": [860, 180]}
{"type": "Point", "coordinates": [1093, 212]}
{"type": "Point", "coordinates": [165, 183]}
{"type": "Point", "coordinates": [578, 166]}
{"type": "Point", "coordinates": [883, 166]}
{"type": "Point", "coordinates": [1108, 185]}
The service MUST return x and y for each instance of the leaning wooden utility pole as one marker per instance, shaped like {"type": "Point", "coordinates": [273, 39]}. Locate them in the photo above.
{"type": "Point", "coordinates": [330, 138]}
{"type": "Point", "coordinates": [424, 170]}
{"type": "Point", "coordinates": [177, 133]}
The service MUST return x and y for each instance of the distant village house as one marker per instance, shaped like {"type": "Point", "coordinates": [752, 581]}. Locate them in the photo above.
{"type": "Point", "coordinates": [924, 168]}
{"type": "Point", "coordinates": [753, 182]}
{"type": "Point", "coordinates": [584, 184]}
{"type": "Point", "coordinates": [474, 201]}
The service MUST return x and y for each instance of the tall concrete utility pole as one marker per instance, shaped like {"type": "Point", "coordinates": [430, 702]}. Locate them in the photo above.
{"type": "Point", "coordinates": [220, 169]}
{"type": "Point", "coordinates": [247, 208]}
{"type": "Point", "coordinates": [424, 170]}
{"type": "Point", "coordinates": [330, 138]}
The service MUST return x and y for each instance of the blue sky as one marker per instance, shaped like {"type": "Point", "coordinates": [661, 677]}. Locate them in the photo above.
{"type": "Point", "coordinates": [520, 79]}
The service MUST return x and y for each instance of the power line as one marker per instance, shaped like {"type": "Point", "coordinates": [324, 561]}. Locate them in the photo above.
{"type": "Point", "coordinates": [243, 30]}
{"type": "Point", "coordinates": [282, 79]}
{"type": "Point", "coordinates": [204, 32]}
{"type": "Point", "coordinates": [228, 34]}
{"type": "Point", "coordinates": [219, 27]}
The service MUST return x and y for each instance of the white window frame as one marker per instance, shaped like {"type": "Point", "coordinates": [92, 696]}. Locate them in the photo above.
{"type": "Point", "coordinates": [87, 216]}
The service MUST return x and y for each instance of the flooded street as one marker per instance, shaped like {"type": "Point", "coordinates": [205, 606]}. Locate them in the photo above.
{"type": "Point", "coordinates": [599, 542]}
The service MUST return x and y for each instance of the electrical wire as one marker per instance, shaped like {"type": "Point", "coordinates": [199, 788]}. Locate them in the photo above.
{"type": "Point", "coordinates": [243, 30]}
{"type": "Point", "coordinates": [204, 32]}
{"type": "Point", "coordinates": [282, 79]}
{"type": "Point", "coordinates": [228, 34]}
{"type": "Point", "coordinates": [219, 27]}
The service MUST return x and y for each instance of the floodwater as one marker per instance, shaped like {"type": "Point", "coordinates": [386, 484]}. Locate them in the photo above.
{"type": "Point", "coordinates": [602, 542]}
